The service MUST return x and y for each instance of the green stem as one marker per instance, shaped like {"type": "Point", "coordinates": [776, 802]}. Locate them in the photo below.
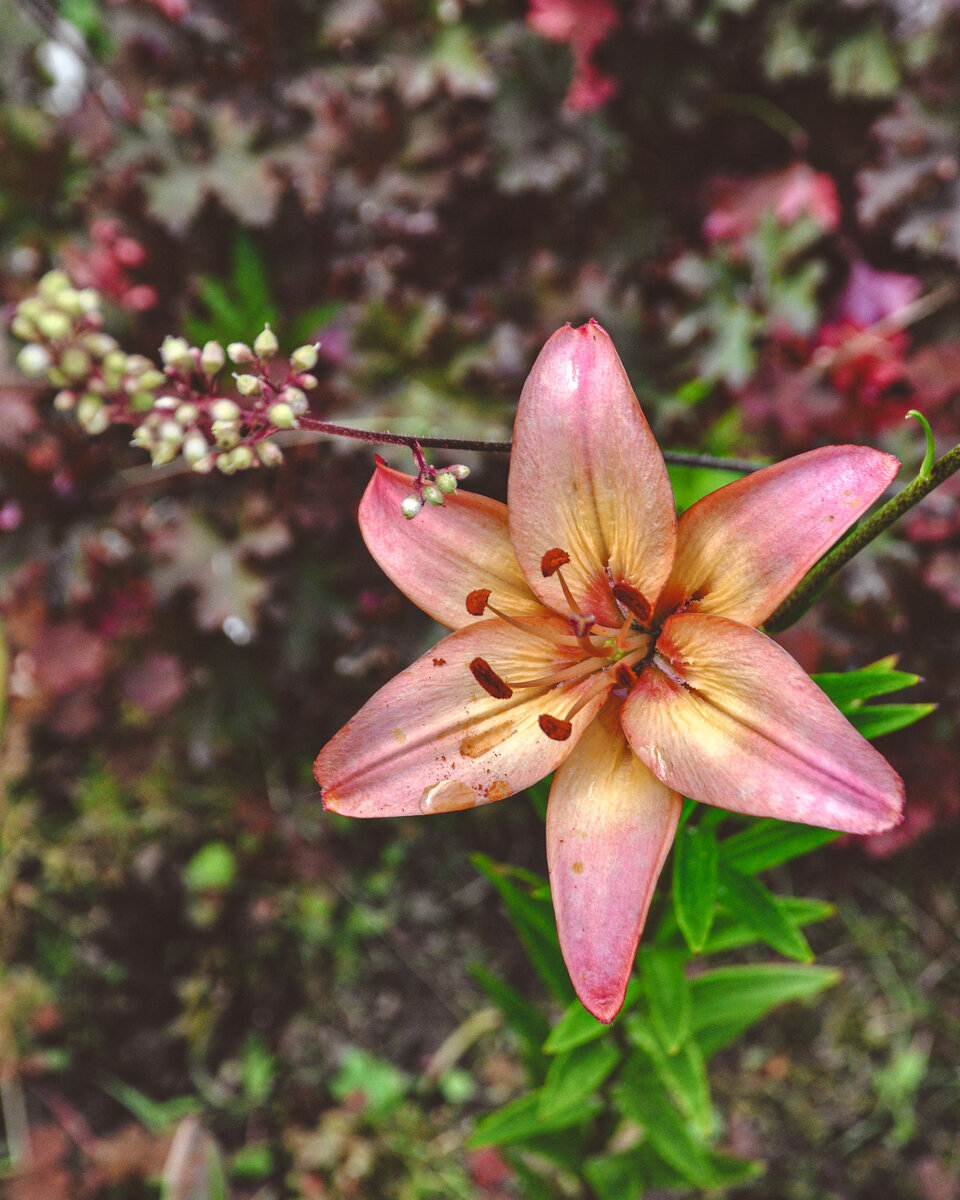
{"type": "Point", "coordinates": [797, 603]}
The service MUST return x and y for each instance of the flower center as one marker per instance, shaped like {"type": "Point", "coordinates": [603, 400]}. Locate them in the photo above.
{"type": "Point", "coordinates": [613, 658]}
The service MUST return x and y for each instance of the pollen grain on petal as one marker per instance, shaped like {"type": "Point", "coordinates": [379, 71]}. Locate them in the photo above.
{"type": "Point", "coordinates": [555, 728]}
{"type": "Point", "coordinates": [477, 601]}
{"type": "Point", "coordinates": [489, 680]}
{"type": "Point", "coordinates": [633, 600]}
{"type": "Point", "coordinates": [552, 561]}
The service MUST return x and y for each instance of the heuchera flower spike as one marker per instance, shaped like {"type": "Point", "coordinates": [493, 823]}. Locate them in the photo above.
{"type": "Point", "coordinates": [596, 636]}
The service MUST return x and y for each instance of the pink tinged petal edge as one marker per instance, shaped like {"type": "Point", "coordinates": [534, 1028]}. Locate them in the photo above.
{"type": "Point", "coordinates": [587, 476]}
{"type": "Point", "coordinates": [432, 740]}
{"type": "Point", "coordinates": [446, 552]}
{"type": "Point", "coordinates": [732, 720]}
{"type": "Point", "coordinates": [610, 825]}
{"type": "Point", "coordinates": [745, 547]}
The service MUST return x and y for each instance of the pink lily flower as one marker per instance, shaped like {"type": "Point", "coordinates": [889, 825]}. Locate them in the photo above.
{"type": "Point", "coordinates": [596, 636]}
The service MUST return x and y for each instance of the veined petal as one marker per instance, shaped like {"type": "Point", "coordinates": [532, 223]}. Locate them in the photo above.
{"type": "Point", "coordinates": [745, 547]}
{"type": "Point", "coordinates": [432, 740]}
{"type": "Point", "coordinates": [724, 715]}
{"type": "Point", "coordinates": [587, 477]}
{"type": "Point", "coordinates": [444, 553]}
{"type": "Point", "coordinates": [610, 825]}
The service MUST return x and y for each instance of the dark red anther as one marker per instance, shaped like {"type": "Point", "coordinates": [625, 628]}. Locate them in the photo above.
{"type": "Point", "coordinates": [477, 602]}
{"type": "Point", "coordinates": [552, 561]}
{"type": "Point", "coordinates": [554, 728]}
{"type": "Point", "coordinates": [625, 676]}
{"type": "Point", "coordinates": [633, 600]}
{"type": "Point", "coordinates": [489, 680]}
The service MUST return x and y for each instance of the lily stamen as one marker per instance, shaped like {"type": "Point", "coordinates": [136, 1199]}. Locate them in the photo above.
{"type": "Point", "coordinates": [478, 602]}
{"type": "Point", "coordinates": [489, 680]}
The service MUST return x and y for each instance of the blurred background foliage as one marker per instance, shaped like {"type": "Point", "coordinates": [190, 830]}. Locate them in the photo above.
{"type": "Point", "coordinates": [760, 199]}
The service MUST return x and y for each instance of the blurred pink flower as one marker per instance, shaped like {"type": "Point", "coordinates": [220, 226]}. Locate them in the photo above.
{"type": "Point", "coordinates": [583, 25]}
{"type": "Point", "coordinates": [597, 637]}
{"type": "Point", "coordinates": [798, 191]}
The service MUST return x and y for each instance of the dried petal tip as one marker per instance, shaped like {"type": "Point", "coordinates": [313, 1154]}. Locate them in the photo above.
{"type": "Point", "coordinates": [552, 561]}
{"type": "Point", "coordinates": [489, 680]}
{"type": "Point", "coordinates": [632, 600]}
{"type": "Point", "coordinates": [554, 727]}
{"type": "Point", "coordinates": [477, 602]}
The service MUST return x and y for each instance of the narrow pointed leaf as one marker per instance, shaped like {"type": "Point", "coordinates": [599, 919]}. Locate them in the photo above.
{"type": "Point", "coordinates": [683, 1074]}
{"type": "Point", "coordinates": [768, 843]}
{"type": "Point", "coordinates": [752, 903]}
{"type": "Point", "coordinates": [695, 867]}
{"type": "Point", "coordinates": [729, 933]}
{"type": "Point", "coordinates": [877, 719]}
{"type": "Point", "coordinates": [520, 1120]}
{"type": "Point", "coordinates": [667, 991]}
{"type": "Point", "coordinates": [846, 688]}
{"type": "Point", "coordinates": [574, 1076]}
{"type": "Point", "coordinates": [728, 1000]}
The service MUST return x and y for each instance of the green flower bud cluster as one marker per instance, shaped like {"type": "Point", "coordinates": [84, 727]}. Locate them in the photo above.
{"type": "Point", "coordinates": [439, 485]}
{"type": "Point", "coordinates": [175, 408]}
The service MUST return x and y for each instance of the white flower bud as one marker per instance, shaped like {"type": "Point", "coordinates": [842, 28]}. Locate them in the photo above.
{"type": "Point", "coordinates": [304, 358]}
{"type": "Point", "coordinates": [269, 453]}
{"type": "Point", "coordinates": [166, 403]}
{"type": "Point", "coordinates": [225, 410]}
{"type": "Point", "coordinates": [446, 482]}
{"type": "Point", "coordinates": [212, 358]}
{"type": "Point", "coordinates": [282, 416]}
{"type": "Point", "coordinates": [239, 352]}
{"type": "Point", "coordinates": [33, 360]}
{"type": "Point", "coordinates": [171, 432]}
{"type": "Point", "coordinates": [204, 465]}
{"type": "Point", "coordinates": [136, 364]}
{"type": "Point", "coordinates": [163, 453]}
{"type": "Point", "coordinates": [296, 399]}
{"type": "Point", "coordinates": [458, 471]}
{"type": "Point", "coordinates": [187, 414]}
{"type": "Point", "coordinates": [410, 506]}
{"type": "Point", "coordinates": [92, 414]}
{"type": "Point", "coordinates": [242, 458]}
{"type": "Point", "coordinates": [249, 385]}
{"type": "Point", "coordinates": [99, 344]}
{"type": "Point", "coordinates": [75, 363]}
{"type": "Point", "coordinates": [432, 494]}
{"type": "Point", "coordinates": [64, 401]}
{"type": "Point", "coordinates": [194, 448]}
{"type": "Point", "coordinates": [306, 380]}
{"type": "Point", "coordinates": [22, 328]}
{"type": "Point", "coordinates": [115, 361]}
{"type": "Point", "coordinates": [89, 300]}
{"type": "Point", "coordinates": [227, 434]}
{"type": "Point", "coordinates": [53, 283]}
{"type": "Point", "coordinates": [68, 301]}
{"type": "Point", "coordinates": [265, 344]}
{"type": "Point", "coordinates": [152, 378]}
{"type": "Point", "coordinates": [175, 352]}
{"type": "Point", "coordinates": [143, 437]}
{"type": "Point", "coordinates": [54, 324]}
{"type": "Point", "coordinates": [30, 308]}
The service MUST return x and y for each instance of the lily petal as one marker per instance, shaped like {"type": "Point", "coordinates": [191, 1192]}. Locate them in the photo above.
{"type": "Point", "coordinates": [445, 553]}
{"type": "Point", "coordinates": [745, 547]}
{"type": "Point", "coordinates": [587, 477]}
{"type": "Point", "coordinates": [610, 825]}
{"type": "Point", "coordinates": [432, 740]}
{"type": "Point", "coordinates": [724, 715]}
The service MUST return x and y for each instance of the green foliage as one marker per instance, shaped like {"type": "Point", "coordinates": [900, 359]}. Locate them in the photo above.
{"type": "Point", "coordinates": [650, 1066]}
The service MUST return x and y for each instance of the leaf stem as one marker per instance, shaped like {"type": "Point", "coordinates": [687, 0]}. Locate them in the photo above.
{"type": "Point", "coordinates": [810, 587]}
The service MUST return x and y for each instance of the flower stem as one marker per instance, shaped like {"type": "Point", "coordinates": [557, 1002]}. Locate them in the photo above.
{"type": "Point", "coordinates": [740, 466]}
{"type": "Point", "coordinates": [810, 587]}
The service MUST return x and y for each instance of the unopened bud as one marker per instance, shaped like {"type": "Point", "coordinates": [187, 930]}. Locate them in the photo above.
{"type": "Point", "coordinates": [458, 471]}
{"type": "Point", "coordinates": [68, 301]}
{"type": "Point", "coordinates": [33, 360]}
{"type": "Point", "coordinates": [30, 308]}
{"type": "Point", "coordinates": [410, 506]}
{"type": "Point", "coordinates": [143, 437]}
{"type": "Point", "coordinates": [92, 414]}
{"type": "Point", "coordinates": [265, 344]}
{"type": "Point", "coordinates": [115, 361]}
{"type": "Point", "coordinates": [282, 416]}
{"type": "Point", "coordinates": [52, 283]}
{"type": "Point", "coordinates": [64, 401]}
{"type": "Point", "coordinates": [304, 358]}
{"type": "Point", "coordinates": [249, 385]}
{"type": "Point", "coordinates": [205, 464]}
{"type": "Point", "coordinates": [75, 363]}
{"type": "Point", "coordinates": [58, 378]}
{"type": "Point", "coordinates": [227, 434]}
{"type": "Point", "coordinates": [99, 344]}
{"type": "Point", "coordinates": [142, 401]}
{"type": "Point", "coordinates": [306, 380]}
{"type": "Point", "coordinates": [22, 328]}
{"type": "Point", "coordinates": [446, 482]}
{"type": "Point", "coordinates": [297, 400]}
{"type": "Point", "coordinates": [152, 378]}
{"type": "Point", "coordinates": [163, 453]}
{"type": "Point", "coordinates": [212, 358]}
{"type": "Point", "coordinates": [187, 414]}
{"type": "Point", "coordinates": [136, 365]}
{"type": "Point", "coordinates": [171, 432]}
{"type": "Point", "coordinates": [175, 352]}
{"type": "Point", "coordinates": [269, 453]}
{"type": "Point", "coordinates": [240, 352]}
{"type": "Point", "coordinates": [53, 324]}
{"type": "Point", "coordinates": [242, 458]}
{"type": "Point", "coordinates": [225, 410]}
{"type": "Point", "coordinates": [432, 494]}
{"type": "Point", "coordinates": [194, 448]}
{"type": "Point", "coordinates": [88, 299]}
